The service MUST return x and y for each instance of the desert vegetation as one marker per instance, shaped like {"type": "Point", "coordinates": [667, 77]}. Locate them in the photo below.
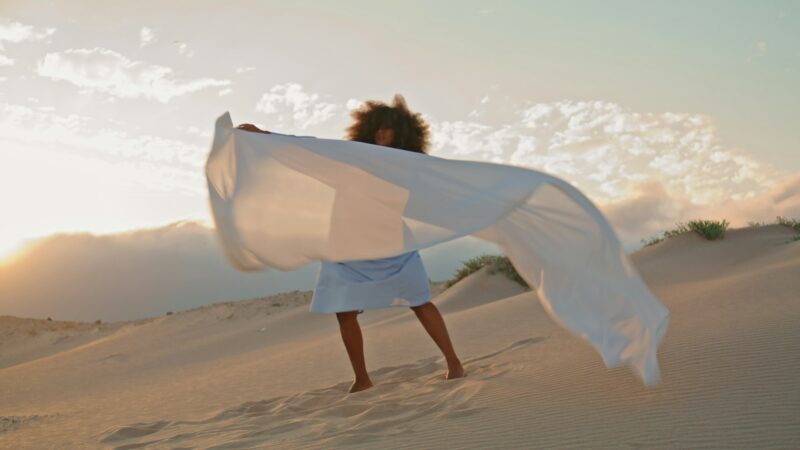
{"type": "Point", "coordinates": [788, 222]}
{"type": "Point", "coordinates": [496, 264]}
{"type": "Point", "coordinates": [712, 229]}
{"type": "Point", "coordinates": [709, 229]}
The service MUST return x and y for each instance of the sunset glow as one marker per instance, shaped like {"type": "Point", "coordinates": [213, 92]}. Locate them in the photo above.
{"type": "Point", "coordinates": [108, 131]}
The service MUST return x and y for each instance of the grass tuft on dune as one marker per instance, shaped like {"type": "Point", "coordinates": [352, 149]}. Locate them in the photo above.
{"type": "Point", "coordinates": [788, 222]}
{"type": "Point", "coordinates": [496, 264]}
{"type": "Point", "coordinates": [709, 229]}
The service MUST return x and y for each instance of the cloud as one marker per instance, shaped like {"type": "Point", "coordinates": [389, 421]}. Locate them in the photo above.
{"type": "Point", "coordinates": [289, 104]}
{"type": "Point", "coordinates": [148, 272]}
{"type": "Point", "coordinates": [148, 161]}
{"type": "Point", "coordinates": [17, 32]}
{"type": "Point", "coordinates": [762, 47]}
{"type": "Point", "coordinates": [648, 210]}
{"type": "Point", "coordinates": [245, 69]}
{"type": "Point", "coordinates": [651, 209]}
{"type": "Point", "coordinates": [606, 150]}
{"type": "Point", "coordinates": [480, 110]}
{"type": "Point", "coordinates": [146, 37]}
{"type": "Point", "coordinates": [224, 92]}
{"type": "Point", "coordinates": [781, 199]}
{"type": "Point", "coordinates": [183, 49]}
{"type": "Point", "coordinates": [647, 171]}
{"type": "Point", "coordinates": [170, 268]}
{"type": "Point", "coordinates": [459, 139]}
{"type": "Point", "coordinates": [353, 104]}
{"type": "Point", "coordinates": [109, 72]}
{"type": "Point", "coordinates": [205, 133]}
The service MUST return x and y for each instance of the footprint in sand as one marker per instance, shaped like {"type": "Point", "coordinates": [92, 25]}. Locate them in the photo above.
{"type": "Point", "coordinates": [134, 431]}
{"type": "Point", "coordinates": [9, 423]}
{"type": "Point", "coordinates": [403, 396]}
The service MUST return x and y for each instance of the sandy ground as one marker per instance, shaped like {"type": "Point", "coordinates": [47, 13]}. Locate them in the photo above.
{"type": "Point", "coordinates": [265, 373]}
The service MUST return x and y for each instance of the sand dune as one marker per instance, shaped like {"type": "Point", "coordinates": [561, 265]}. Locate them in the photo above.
{"type": "Point", "coordinates": [265, 373]}
{"type": "Point", "coordinates": [29, 339]}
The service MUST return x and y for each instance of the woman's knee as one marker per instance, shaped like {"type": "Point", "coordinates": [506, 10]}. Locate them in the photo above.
{"type": "Point", "coordinates": [419, 308]}
{"type": "Point", "coordinates": [347, 317]}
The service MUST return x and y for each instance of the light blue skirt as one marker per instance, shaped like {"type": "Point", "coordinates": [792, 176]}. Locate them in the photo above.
{"type": "Point", "coordinates": [372, 283]}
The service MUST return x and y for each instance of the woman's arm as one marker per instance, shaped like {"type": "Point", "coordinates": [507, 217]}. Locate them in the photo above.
{"type": "Point", "coordinates": [253, 128]}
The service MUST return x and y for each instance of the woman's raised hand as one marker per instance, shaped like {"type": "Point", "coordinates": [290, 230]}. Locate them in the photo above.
{"type": "Point", "coordinates": [253, 128]}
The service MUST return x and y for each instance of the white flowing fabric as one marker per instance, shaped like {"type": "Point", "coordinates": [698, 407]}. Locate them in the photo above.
{"type": "Point", "coordinates": [282, 202]}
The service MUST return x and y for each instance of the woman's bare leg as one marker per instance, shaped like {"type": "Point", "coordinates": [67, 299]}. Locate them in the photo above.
{"type": "Point", "coordinates": [430, 317]}
{"type": "Point", "coordinates": [354, 343]}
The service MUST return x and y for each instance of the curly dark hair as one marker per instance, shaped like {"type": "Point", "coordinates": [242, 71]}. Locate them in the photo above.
{"type": "Point", "coordinates": [411, 132]}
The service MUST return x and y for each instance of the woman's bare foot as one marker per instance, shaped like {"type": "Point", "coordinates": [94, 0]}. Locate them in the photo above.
{"type": "Point", "coordinates": [455, 371]}
{"type": "Point", "coordinates": [354, 343]}
{"type": "Point", "coordinates": [360, 386]}
{"type": "Point", "coordinates": [432, 320]}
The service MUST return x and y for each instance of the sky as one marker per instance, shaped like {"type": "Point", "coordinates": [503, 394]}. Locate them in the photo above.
{"type": "Point", "coordinates": [657, 111]}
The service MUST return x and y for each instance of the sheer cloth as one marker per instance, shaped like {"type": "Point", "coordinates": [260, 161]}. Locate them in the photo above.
{"type": "Point", "coordinates": [282, 202]}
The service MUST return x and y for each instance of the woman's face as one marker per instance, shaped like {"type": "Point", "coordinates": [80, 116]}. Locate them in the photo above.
{"type": "Point", "coordinates": [384, 136]}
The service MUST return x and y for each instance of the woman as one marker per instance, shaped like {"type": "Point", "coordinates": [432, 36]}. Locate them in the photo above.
{"type": "Point", "coordinates": [347, 288]}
